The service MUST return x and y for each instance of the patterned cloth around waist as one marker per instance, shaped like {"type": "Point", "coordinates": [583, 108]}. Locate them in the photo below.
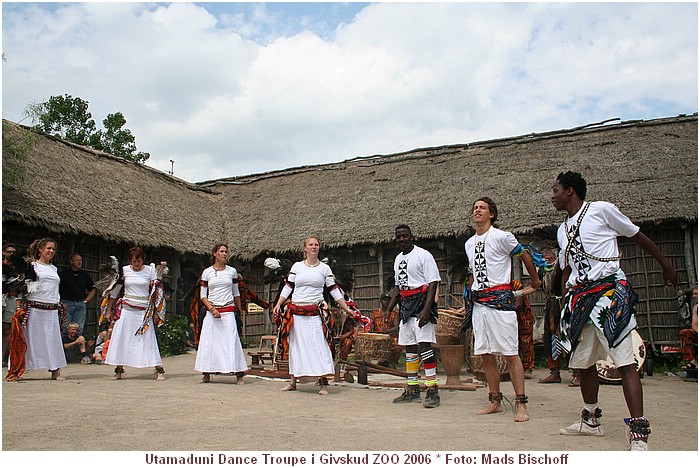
{"type": "Point", "coordinates": [613, 321]}
{"type": "Point", "coordinates": [412, 303]}
{"type": "Point", "coordinates": [287, 321]}
{"type": "Point", "coordinates": [497, 297]}
{"type": "Point", "coordinates": [43, 305]}
{"type": "Point", "coordinates": [308, 309]}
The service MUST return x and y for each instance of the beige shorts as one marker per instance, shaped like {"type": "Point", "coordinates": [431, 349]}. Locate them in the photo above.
{"type": "Point", "coordinates": [411, 334]}
{"type": "Point", "coordinates": [593, 346]}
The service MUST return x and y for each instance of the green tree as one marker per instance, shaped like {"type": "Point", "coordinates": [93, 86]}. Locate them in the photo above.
{"type": "Point", "coordinates": [117, 140]}
{"type": "Point", "coordinates": [64, 117]}
{"type": "Point", "coordinates": [68, 118]}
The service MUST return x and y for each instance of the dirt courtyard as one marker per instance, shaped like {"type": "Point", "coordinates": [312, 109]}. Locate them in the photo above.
{"type": "Point", "coordinates": [89, 412]}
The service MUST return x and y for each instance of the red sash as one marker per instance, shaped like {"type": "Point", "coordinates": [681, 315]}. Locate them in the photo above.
{"type": "Point", "coordinates": [411, 292]}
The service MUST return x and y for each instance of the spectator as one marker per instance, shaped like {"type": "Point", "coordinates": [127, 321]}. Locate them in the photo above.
{"type": "Point", "coordinates": [8, 299]}
{"type": "Point", "coordinates": [77, 289]}
{"type": "Point", "coordinates": [689, 339]}
{"type": "Point", "coordinates": [74, 345]}
{"type": "Point", "coordinates": [101, 343]}
{"type": "Point", "coordinates": [387, 321]}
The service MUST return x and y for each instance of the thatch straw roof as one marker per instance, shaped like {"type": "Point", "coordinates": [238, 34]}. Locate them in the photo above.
{"type": "Point", "coordinates": [72, 189]}
{"type": "Point", "coordinates": [648, 168]}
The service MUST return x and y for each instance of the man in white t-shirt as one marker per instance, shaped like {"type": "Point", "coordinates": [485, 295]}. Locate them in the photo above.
{"type": "Point", "coordinates": [417, 278]}
{"type": "Point", "coordinates": [599, 314]}
{"type": "Point", "coordinates": [490, 303]}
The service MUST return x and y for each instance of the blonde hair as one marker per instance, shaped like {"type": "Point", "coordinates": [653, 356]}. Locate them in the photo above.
{"type": "Point", "coordinates": [308, 238]}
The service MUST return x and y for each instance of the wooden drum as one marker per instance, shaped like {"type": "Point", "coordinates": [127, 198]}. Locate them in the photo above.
{"type": "Point", "coordinates": [607, 371]}
{"type": "Point", "coordinates": [480, 373]}
{"type": "Point", "coordinates": [448, 330]}
{"type": "Point", "coordinates": [373, 347]}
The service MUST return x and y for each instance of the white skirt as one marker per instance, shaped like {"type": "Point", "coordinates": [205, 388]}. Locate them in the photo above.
{"type": "Point", "coordinates": [219, 348]}
{"type": "Point", "coordinates": [309, 354]}
{"type": "Point", "coordinates": [44, 343]}
{"type": "Point", "coordinates": [126, 348]}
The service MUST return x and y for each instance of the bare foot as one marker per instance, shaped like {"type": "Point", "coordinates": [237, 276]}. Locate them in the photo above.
{"type": "Point", "coordinates": [288, 388]}
{"type": "Point", "coordinates": [160, 377]}
{"type": "Point", "coordinates": [493, 407]}
{"type": "Point", "coordinates": [239, 381]}
{"type": "Point", "coordinates": [323, 390]}
{"type": "Point", "coordinates": [521, 413]}
{"type": "Point", "coordinates": [56, 375]}
{"type": "Point", "coordinates": [206, 378]}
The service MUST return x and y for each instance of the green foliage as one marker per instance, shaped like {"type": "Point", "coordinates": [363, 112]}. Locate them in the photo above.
{"type": "Point", "coordinates": [172, 335]}
{"type": "Point", "coordinates": [15, 146]}
{"type": "Point", "coordinates": [64, 117]}
{"type": "Point", "coordinates": [68, 118]}
{"type": "Point", "coordinates": [117, 140]}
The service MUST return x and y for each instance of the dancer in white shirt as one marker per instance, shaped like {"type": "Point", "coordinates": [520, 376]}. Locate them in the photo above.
{"type": "Point", "coordinates": [37, 318]}
{"type": "Point", "coordinates": [128, 346]}
{"type": "Point", "coordinates": [490, 303]}
{"type": "Point", "coordinates": [305, 334]}
{"type": "Point", "coordinates": [220, 349]}
{"type": "Point", "coordinates": [599, 313]}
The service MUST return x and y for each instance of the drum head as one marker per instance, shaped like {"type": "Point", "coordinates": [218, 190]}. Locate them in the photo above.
{"type": "Point", "coordinates": [607, 372]}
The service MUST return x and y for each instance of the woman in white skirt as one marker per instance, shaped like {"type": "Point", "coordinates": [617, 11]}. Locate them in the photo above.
{"type": "Point", "coordinates": [220, 349]}
{"type": "Point", "coordinates": [305, 324]}
{"type": "Point", "coordinates": [38, 314]}
{"type": "Point", "coordinates": [126, 347]}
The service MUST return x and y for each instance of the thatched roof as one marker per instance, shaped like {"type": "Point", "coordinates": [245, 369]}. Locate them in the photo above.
{"type": "Point", "coordinates": [71, 189]}
{"type": "Point", "coordinates": [648, 168]}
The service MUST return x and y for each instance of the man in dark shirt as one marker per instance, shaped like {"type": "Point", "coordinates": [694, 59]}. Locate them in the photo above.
{"type": "Point", "coordinates": [77, 289]}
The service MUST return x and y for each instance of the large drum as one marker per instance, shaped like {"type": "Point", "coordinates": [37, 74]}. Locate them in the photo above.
{"type": "Point", "coordinates": [480, 373]}
{"type": "Point", "coordinates": [448, 330]}
{"type": "Point", "coordinates": [374, 348]}
{"type": "Point", "coordinates": [452, 357]}
{"type": "Point", "coordinates": [607, 372]}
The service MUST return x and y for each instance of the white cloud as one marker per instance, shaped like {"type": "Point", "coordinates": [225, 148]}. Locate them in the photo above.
{"type": "Point", "coordinates": [248, 91]}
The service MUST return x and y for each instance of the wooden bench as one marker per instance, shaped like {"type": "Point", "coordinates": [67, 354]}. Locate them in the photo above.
{"type": "Point", "coordinates": [266, 351]}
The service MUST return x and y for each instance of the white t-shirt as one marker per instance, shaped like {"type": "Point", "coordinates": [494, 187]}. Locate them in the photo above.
{"type": "Point", "coordinates": [415, 269]}
{"type": "Point", "coordinates": [600, 227]}
{"type": "Point", "coordinates": [48, 281]}
{"type": "Point", "coordinates": [220, 289]}
{"type": "Point", "coordinates": [309, 282]}
{"type": "Point", "coordinates": [136, 284]}
{"type": "Point", "coordinates": [489, 256]}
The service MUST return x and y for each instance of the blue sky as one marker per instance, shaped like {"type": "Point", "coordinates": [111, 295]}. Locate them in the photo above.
{"type": "Point", "coordinates": [228, 89]}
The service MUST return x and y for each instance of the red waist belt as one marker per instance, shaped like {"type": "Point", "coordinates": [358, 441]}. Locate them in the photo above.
{"type": "Point", "coordinates": [411, 292]}
{"type": "Point", "coordinates": [231, 308]}
{"type": "Point", "coordinates": [311, 309]}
